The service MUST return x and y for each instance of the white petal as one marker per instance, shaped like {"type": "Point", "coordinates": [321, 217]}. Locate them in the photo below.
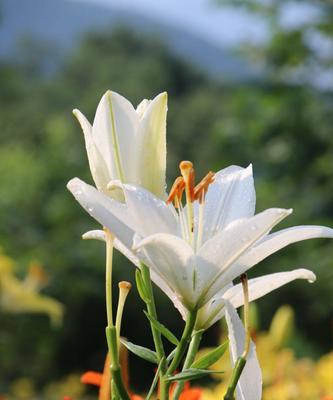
{"type": "Point", "coordinates": [231, 196]}
{"type": "Point", "coordinates": [214, 310]}
{"type": "Point", "coordinates": [98, 167]}
{"type": "Point", "coordinates": [142, 107]}
{"type": "Point", "coordinates": [276, 241]}
{"type": "Point", "coordinates": [151, 146]}
{"type": "Point", "coordinates": [106, 211]}
{"type": "Point", "coordinates": [96, 234]}
{"type": "Point", "coordinates": [249, 386]}
{"type": "Point", "coordinates": [157, 279]}
{"type": "Point", "coordinates": [225, 248]}
{"type": "Point", "coordinates": [149, 213]}
{"type": "Point", "coordinates": [114, 133]}
{"type": "Point", "coordinates": [259, 287]}
{"type": "Point", "coordinates": [172, 259]}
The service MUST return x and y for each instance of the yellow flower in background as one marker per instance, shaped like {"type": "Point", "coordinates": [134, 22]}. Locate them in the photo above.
{"type": "Point", "coordinates": [22, 296]}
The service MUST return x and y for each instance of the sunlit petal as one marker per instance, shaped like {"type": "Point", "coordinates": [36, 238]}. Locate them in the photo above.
{"type": "Point", "coordinates": [151, 146]}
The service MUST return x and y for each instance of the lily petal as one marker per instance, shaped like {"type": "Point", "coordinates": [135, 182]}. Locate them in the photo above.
{"type": "Point", "coordinates": [220, 253]}
{"type": "Point", "coordinates": [258, 287]}
{"type": "Point", "coordinates": [106, 211]}
{"type": "Point", "coordinates": [231, 196]}
{"type": "Point", "coordinates": [249, 386]}
{"type": "Point", "coordinates": [171, 258]}
{"type": "Point", "coordinates": [278, 240]}
{"type": "Point", "coordinates": [151, 146]}
{"type": "Point", "coordinates": [156, 278]}
{"type": "Point", "coordinates": [98, 167]}
{"type": "Point", "coordinates": [114, 133]}
{"type": "Point", "coordinates": [150, 214]}
{"type": "Point", "coordinates": [96, 234]}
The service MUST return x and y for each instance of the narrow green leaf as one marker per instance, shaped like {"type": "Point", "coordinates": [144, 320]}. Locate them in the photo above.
{"type": "Point", "coordinates": [163, 329]}
{"type": "Point", "coordinates": [212, 357]}
{"type": "Point", "coordinates": [141, 286]}
{"type": "Point", "coordinates": [142, 352]}
{"type": "Point", "coordinates": [153, 385]}
{"type": "Point", "coordinates": [190, 374]}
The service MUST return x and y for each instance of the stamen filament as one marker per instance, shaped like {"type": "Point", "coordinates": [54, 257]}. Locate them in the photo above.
{"type": "Point", "coordinates": [200, 221]}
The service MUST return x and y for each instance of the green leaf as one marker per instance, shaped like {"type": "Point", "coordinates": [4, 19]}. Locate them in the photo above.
{"type": "Point", "coordinates": [163, 330]}
{"type": "Point", "coordinates": [142, 352]}
{"type": "Point", "coordinates": [212, 357]}
{"type": "Point", "coordinates": [190, 374]}
{"type": "Point", "coordinates": [140, 285]}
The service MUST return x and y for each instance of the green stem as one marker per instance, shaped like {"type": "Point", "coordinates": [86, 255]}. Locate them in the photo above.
{"type": "Point", "coordinates": [191, 353]}
{"type": "Point", "coordinates": [111, 336]}
{"type": "Point", "coordinates": [183, 343]}
{"type": "Point", "coordinates": [108, 276]}
{"type": "Point", "coordinates": [236, 373]}
{"type": "Point", "coordinates": [151, 309]}
{"type": "Point", "coordinates": [111, 331]}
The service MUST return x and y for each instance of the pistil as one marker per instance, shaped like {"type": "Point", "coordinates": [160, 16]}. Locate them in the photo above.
{"type": "Point", "coordinates": [187, 171]}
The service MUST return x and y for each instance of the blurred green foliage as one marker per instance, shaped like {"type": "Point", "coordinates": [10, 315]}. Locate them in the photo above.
{"type": "Point", "coordinates": [284, 129]}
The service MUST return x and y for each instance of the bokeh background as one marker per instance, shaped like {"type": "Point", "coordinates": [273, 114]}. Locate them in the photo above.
{"type": "Point", "coordinates": [248, 81]}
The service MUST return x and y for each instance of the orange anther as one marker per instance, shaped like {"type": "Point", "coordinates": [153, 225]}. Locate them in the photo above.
{"type": "Point", "coordinates": [176, 191]}
{"type": "Point", "coordinates": [201, 188]}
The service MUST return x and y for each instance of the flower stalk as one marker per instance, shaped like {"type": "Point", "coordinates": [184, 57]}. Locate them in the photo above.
{"type": "Point", "coordinates": [184, 341]}
{"type": "Point", "coordinates": [151, 309]}
{"type": "Point", "coordinates": [112, 334]}
{"type": "Point", "coordinates": [192, 351]}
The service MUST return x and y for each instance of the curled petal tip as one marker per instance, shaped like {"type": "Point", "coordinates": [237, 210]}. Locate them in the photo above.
{"type": "Point", "coordinates": [114, 184]}
{"type": "Point", "coordinates": [311, 277]}
{"type": "Point", "coordinates": [94, 234]}
{"type": "Point", "coordinates": [72, 184]}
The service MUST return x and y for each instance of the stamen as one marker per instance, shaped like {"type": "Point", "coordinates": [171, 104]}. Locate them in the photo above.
{"type": "Point", "coordinates": [176, 192]}
{"type": "Point", "coordinates": [202, 187]}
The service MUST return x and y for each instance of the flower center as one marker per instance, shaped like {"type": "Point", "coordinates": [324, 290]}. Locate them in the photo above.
{"type": "Point", "coordinates": [186, 182]}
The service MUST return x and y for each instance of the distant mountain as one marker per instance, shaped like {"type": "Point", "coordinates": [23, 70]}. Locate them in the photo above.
{"type": "Point", "coordinates": [62, 23]}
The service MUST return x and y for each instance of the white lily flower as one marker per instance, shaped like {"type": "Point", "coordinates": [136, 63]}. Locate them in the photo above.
{"type": "Point", "coordinates": [249, 386]}
{"type": "Point", "coordinates": [127, 144]}
{"type": "Point", "coordinates": [196, 251]}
